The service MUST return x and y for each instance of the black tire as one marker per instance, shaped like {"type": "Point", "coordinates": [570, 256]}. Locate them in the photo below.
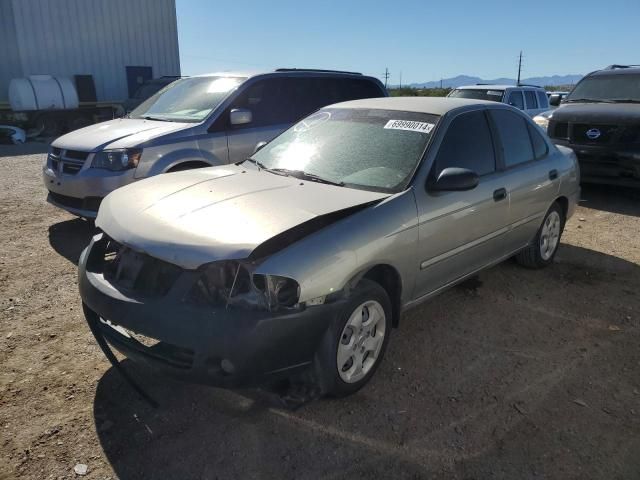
{"type": "Point", "coordinates": [326, 365]}
{"type": "Point", "coordinates": [532, 255]}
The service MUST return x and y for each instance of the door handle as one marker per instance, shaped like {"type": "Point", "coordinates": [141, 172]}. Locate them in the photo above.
{"type": "Point", "coordinates": [553, 174]}
{"type": "Point", "coordinates": [500, 194]}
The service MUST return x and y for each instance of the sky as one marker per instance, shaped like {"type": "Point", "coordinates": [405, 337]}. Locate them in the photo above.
{"type": "Point", "coordinates": [423, 40]}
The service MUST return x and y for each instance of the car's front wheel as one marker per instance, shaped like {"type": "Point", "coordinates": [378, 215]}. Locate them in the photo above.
{"type": "Point", "coordinates": [540, 252]}
{"type": "Point", "coordinates": [355, 343]}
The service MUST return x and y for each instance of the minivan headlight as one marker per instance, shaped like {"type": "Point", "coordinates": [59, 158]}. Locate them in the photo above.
{"type": "Point", "coordinates": [117, 160]}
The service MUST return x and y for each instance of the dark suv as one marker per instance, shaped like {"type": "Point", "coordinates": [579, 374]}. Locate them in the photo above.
{"type": "Point", "coordinates": [600, 121]}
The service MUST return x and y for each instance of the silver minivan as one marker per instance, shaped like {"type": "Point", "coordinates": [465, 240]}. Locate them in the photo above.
{"type": "Point", "coordinates": [194, 122]}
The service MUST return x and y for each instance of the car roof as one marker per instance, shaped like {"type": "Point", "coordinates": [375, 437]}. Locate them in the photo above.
{"type": "Point", "coordinates": [284, 72]}
{"type": "Point", "coordinates": [489, 86]}
{"type": "Point", "coordinates": [432, 105]}
{"type": "Point", "coordinates": [617, 71]}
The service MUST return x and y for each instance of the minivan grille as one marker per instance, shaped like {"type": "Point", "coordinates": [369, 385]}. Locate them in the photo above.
{"type": "Point", "coordinates": [68, 162]}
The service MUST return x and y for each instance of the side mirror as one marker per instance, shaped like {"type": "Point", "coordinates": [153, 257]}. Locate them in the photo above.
{"type": "Point", "coordinates": [455, 180]}
{"type": "Point", "coordinates": [554, 100]}
{"type": "Point", "coordinates": [240, 116]}
{"type": "Point", "coordinates": [259, 145]}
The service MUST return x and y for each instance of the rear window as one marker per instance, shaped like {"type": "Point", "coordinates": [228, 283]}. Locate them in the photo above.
{"type": "Point", "coordinates": [530, 96]}
{"type": "Point", "coordinates": [478, 94]}
{"type": "Point", "coordinates": [543, 100]}
{"type": "Point", "coordinates": [516, 99]}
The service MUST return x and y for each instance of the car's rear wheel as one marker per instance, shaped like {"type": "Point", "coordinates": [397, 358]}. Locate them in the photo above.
{"type": "Point", "coordinates": [355, 343]}
{"type": "Point", "coordinates": [541, 251]}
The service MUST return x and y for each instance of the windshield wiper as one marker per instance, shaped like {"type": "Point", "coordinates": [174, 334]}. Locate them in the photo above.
{"type": "Point", "coordinates": [307, 176]}
{"type": "Point", "coordinates": [157, 119]}
{"type": "Point", "coordinates": [261, 166]}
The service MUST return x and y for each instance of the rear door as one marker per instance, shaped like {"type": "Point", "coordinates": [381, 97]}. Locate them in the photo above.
{"type": "Point", "coordinates": [529, 176]}
{"type": "Point", "coordinates": [460, 232]}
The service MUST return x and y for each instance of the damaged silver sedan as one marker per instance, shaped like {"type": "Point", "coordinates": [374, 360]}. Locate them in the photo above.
{"type": "Point", "coordinates": [301, 259]}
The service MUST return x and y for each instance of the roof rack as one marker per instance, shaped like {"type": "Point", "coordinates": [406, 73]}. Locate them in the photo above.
{"type": "Point", "coordinates": [316, 70]}
{"type": "Point", "coordinates": [615, 66]}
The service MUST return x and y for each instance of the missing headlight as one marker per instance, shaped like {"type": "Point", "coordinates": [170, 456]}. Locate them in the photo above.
{"type": "Point", "coordinates": [233, 284]}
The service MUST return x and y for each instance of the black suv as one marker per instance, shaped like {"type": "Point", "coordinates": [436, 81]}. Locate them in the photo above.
{"type": "Point", "coordinates": [600, 121]}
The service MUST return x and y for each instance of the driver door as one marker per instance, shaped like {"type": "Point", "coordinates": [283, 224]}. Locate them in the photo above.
{"type": "Point", "coordinates": [462, 231]}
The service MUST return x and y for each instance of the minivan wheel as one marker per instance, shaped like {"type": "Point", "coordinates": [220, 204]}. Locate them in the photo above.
{"type": "Point", "coordinates": [355, 343]}
{"type": "Point", "coordinates": [544, 246]}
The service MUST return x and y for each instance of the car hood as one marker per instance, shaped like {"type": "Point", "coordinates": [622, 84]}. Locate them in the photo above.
{"type": "Point", "coordinates": [118, 133]}
{"type": "Point", "coordinates": [199, 216]}
{"type": "Point", "coordinates": [599, 113]}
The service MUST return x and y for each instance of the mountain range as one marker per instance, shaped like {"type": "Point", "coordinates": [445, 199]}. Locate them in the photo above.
{"type": "Point", "coordinates": [460, 80]}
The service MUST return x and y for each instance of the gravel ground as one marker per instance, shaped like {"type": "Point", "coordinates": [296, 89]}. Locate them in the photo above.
{"type": "Point", "coordinates": [520, 374]}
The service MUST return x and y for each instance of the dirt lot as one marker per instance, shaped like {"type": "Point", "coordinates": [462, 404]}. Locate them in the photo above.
{"type": "Point", "coordinates": [522, 375]}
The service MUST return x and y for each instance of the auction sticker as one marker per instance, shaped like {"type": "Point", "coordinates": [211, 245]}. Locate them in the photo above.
{"type": "Point", "coordinates": [409, 125]}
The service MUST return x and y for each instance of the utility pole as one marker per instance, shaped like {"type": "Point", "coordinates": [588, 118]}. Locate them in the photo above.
{"type": "Point", "coordinates": [440, 84]}
{"type": "Point", "coordinates": [400, 78]}
{"type": "Point", "coordinates": [519, 67]}
{"type": "Point", "coordinates": [386, 77]}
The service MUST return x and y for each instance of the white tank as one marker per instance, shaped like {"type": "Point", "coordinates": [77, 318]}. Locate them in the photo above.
{"type": "Point", "coordinates": [42, 92]}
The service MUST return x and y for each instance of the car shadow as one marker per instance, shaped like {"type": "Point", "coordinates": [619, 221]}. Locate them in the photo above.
{"type": "Point", "coordinates": [608, 198]}
{"type": "Point", "coordinates": [70, 237]}
{"type": "Point", "coordinates": [480, 382]}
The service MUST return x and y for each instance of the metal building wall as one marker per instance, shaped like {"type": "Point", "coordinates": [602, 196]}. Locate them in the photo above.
{"type": "Point", "coordinates": [9, 58]}
{"type": "Point", "coordinates": [96, 37]}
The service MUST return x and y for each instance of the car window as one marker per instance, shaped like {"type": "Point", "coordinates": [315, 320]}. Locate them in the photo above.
{"type": "Point", "coordinates": [616, 86]}
{"type": "Point", "coordinates": [540, 148]}
{"type": "Point", "coordinates": [489, 94]}
{"type": "Point", "coordinates": [313, 93]}
{"type": "Point", "coordinates": [270, 101]}
{"type": "Point", "coordinates": [516, 100]}
{"type": "Point", "coordinates": [514, 136]}
{"type": "Point", "coordinates": [467, 144]}
{"type": "Point", "coordinates": [543, 100]}
{"type": "Point", "coordinates": [530, 96]}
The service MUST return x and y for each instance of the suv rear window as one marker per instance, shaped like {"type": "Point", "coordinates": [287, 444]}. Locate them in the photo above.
{"type": "Point", "coordinates": [516, 99]}
{"type": "Point", "coordinates": [530, 96]}
{"type": "Point", "coordinates": [478, 94]}
{"type": "Point", "coordinates": [543, 101]}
